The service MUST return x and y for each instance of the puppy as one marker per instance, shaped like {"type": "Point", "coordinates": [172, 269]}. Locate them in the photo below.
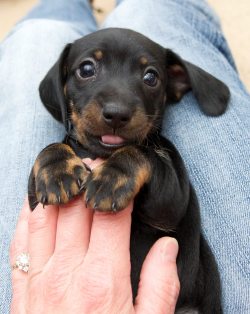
{"type": "Point", "coordinates": [110, 89]}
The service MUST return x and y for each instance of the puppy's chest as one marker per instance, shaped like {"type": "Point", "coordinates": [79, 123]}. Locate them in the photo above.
{"type": "Point", "coordinates": [79, 149]}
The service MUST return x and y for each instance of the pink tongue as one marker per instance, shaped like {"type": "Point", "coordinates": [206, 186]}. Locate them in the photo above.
{"type": "Point", "coordinates": [112, 139]}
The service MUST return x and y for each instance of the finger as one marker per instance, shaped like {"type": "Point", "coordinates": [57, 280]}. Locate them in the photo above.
{"type": "Point", "coordinates": [42, 234]}
{"type": "Point", "coordinates": [106, 268]}
{"type": "Point", "coordinates": [73, 229]}
{"type": "Point", "coordinates": [19, 245]}
{"type": "Point", "coordinates": [110, 238]}
{"type": "Point", "coordinates": [159, 284]}
{"type": "Point", "coordinates": [93, 163]}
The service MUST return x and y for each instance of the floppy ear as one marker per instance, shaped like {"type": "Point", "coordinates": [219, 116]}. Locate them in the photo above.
{"type": "Point", "coordinates": [51, 88]}
{"type": "Point", "coordinates": [182, 76]}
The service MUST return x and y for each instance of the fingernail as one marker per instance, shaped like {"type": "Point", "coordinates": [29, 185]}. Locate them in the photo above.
{"type": "Point", "coordinates": [169, 250]}
{"type": "Point", "coordinates": [87, 167]}
{"type": "Point", "coordinates": [87, 161]}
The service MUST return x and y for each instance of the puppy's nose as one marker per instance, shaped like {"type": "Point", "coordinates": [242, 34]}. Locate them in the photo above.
{"type": "Point", "coordinates": [116, 116]}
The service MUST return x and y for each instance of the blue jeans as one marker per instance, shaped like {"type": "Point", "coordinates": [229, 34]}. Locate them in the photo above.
{"type": "Point", "coordinates": [215, 150]}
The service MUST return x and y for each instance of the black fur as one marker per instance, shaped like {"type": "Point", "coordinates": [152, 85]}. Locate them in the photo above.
{"type": "Point", "coordinates": [116, 100]}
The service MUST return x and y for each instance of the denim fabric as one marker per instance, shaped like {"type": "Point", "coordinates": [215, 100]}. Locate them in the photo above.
{"type": "Point", "coordinates": [215, 150]}
{"type": "Point", "coordinates": [76, 12]}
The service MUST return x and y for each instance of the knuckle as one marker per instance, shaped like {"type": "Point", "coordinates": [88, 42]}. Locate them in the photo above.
{"type": "Point", "coordinates": [167, 292]}
{"type": "Point", "coordinates": [16, 247]}
{"type": "Point", "coordinates": [97, 285]}
{"type": "Point", "coordinates": [96, 295]}
{"type": "Point", "coordinates": [55, 285]}
{"type": "Point", "coordinates": [173, 290]}
{"type": "Point", "coordinates": [35, 295]}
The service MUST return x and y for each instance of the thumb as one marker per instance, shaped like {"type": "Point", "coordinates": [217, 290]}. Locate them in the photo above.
{"type": "Point", "coordinates": [159, 283]}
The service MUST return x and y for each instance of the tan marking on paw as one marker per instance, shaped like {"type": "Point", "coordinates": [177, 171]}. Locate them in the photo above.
{"type": "Point", "coordinates": [97, 172]}
{"type": "Point", "coordinates": [72, 163]}
{"type": "Point", "coordinates": [36, 168]}
{"type": "Point", "coordinates": [45, 176]}
{"type": "Point", "coordinates": [104, 205]}
{"type": "Point", "coordinates": [74, 188]}
{"type": "Point", "coordinates": [52, 198]}
{"type": "Point", "coordinates": [63, 195]}
{"type": "Point", "coordinates": [141, 177]}
{"type": "Point", "coordinates": [120, 182]}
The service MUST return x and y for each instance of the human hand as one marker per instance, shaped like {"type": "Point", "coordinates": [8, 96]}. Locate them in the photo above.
{"type": "Point", "coordinates": [80, 263]}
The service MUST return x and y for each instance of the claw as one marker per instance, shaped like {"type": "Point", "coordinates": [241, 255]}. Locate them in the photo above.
{"type": "Point", "coordinates": [95, 206]}
{"type": "Point", "coordinates": [82, 187]}
{"type": "Point", "coordinates": [79, 182]}
{"type": "Point", "coordinates": [68, 194]}
{"type": "Point", "coordinates": [114, 208]}
{"type": "Point", "coordinates": [43, 200]}
{"type": "Point", "coordinates": [59, 199]}
{"type": "Point", "coordinates": [86, 202]}
{"type": "Point", "coordinates": [87, 167]}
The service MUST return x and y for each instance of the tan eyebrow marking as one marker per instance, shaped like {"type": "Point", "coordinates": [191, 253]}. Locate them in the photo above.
{"type": "Point", "coordinates": [98, 54]}
{"type": "Point", "coordinates": [143, 60]}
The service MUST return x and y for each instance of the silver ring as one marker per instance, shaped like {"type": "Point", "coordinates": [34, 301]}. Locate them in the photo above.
{"type": "Point", "coordinates": [22, 262]}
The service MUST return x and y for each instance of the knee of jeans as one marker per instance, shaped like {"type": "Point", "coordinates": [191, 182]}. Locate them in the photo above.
{"type": "Point", "coordinates": [29, 52]}
{"type": "Point", "coordinates": [44, 32]}
{"type": "Point", "coordinates": [150, 14]}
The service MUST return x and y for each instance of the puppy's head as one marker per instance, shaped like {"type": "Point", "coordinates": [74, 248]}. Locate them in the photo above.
{"type": "Point", "coordinates": [111, 87]}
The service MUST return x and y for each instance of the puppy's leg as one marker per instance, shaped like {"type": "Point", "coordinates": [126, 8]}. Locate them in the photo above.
{"type": "Point", "coordinates": [168, 203]}
{"type": "Point", "coordinates": [57, 176]}
{"type": "Point", "coordinates": [164, 199]}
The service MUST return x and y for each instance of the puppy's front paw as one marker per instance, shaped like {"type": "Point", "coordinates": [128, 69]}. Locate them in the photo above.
{"type": "Point", "coordinates": [57, 176]}
{"type": "Point", "coordinates": [109, 189]}
{"type": "Point", "coordinates": [57, 184]}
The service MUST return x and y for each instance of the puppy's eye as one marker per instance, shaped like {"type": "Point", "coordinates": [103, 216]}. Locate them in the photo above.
{"type": "Point", "coordinates": [86, 69]}
{"type": "Point", "coordinates": [150, 78]}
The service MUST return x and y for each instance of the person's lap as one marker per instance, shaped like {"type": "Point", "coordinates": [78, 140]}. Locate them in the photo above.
{"type": "Point", "coordinates": [214, 149]}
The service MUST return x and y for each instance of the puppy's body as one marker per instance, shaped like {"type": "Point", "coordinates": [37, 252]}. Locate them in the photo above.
{"type": "Point", "coordinates": [110, 90]}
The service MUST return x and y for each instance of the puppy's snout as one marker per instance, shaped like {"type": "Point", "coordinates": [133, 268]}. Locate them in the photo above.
{"type": "Point", "coordinates": [116, 116]}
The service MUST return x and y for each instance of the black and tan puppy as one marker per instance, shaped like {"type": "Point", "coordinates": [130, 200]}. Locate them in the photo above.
{"type": "Point", "coordinates": [110, 89]}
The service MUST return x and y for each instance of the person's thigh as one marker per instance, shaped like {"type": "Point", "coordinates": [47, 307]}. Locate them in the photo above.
{"type": "Point", "coordinates": [215, 150]}
{"type": "Point", "coordinates": [26, 127]}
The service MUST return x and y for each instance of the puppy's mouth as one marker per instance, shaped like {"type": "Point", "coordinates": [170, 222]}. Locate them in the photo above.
{"type": "Point", "coordinates": [112, 141]}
